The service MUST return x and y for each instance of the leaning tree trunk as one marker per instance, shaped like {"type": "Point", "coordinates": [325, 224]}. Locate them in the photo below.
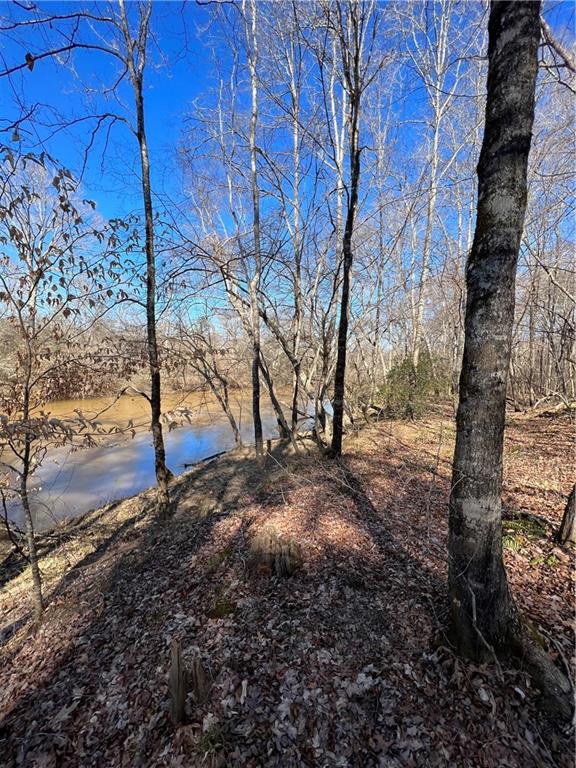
{"type": "Point", "coordinates": [214, 379]}
{"type": "Point", "coordinates": [483, 620]}
{"type": "Point", "coordinates": [567, 530]}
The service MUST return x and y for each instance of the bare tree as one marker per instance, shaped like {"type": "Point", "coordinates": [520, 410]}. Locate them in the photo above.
{"type": "Point", "coordinates": [52, 281]}
{"type": "Point", "coordinates": [251, 26]}
{"type": "Point", "coordinates": [112, 34]}
{"type": "Point", "coordinates": [212, 360]}
{"type": "Point", "coordinates": [135, 61]}
{"type": "Point", "coordinates": [355, 27]}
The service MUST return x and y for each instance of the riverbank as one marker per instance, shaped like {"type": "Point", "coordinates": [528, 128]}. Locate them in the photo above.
{"type": "Point", "coordinates": [341, 664]}
{"type": "Point", "coordinates": [70, 482]}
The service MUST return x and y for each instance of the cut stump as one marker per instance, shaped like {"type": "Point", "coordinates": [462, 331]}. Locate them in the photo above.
{"type": "Point", "coordinates": [273, 553]}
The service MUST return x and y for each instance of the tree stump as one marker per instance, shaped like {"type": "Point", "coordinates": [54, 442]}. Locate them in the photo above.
{"type": "Point", "coordinates": [181, 681]}
{"type": "Point", "coordinates": [271, 552]}
{"type": "Point", "coordinates": [177, 683]}
{"type": "Point", "coordinates": [199, 682]}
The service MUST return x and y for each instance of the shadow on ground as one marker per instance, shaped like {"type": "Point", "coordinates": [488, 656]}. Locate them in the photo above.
{"type": "Point", "coordinates": [340, 665]}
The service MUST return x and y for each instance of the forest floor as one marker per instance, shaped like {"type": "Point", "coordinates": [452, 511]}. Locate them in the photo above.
{"type": "Point", "coordinates": [344, 663]}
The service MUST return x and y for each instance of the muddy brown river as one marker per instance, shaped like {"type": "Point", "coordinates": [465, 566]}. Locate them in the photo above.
{"type": "Point", "coordinates": [72, 482]}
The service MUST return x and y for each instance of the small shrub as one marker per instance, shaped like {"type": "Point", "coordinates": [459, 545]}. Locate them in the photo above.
{"type": "Point", "coordinates": [518, 533]}
{"type": "Point", "coordinates": [408, 389]}
{"type": "Point", "coordinates": [549, 560]}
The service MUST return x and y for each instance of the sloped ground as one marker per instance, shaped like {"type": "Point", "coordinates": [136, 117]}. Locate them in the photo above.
{"type": "Point", "coordinates": [342, 664]}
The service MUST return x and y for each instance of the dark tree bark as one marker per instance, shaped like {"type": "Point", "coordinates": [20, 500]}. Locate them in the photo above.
{"type": "Point", "coordinates": [483, 620]}
{"type": "Point", "coordinates": [135, 61]}
{"type": "Point", "coordinates": [255, 372]}
{"type": "Point", "coordinates": [567, 530]}
{"type": "Point", "coordinates": [351, 61]}
{"type": "Point", "coordinates": [254, 283]}
{"type": "Point", "coordinates": [480, 603]}
{"type": "Point", "coordinates": [347, 256]}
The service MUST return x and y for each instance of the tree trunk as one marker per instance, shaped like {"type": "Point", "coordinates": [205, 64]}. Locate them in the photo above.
{"type": "Point", "coordinates": [254, 283]}
{"type": "Point", "coordinates": [297, 280]}
{"type": "Point", "coordinates": [427, 247]}
{"type": "Point", "coordinates": [138, 48]}
{"type": "Point", "coordinates": [567, 530]}
{"type": "Point", "coordinates": [481, 607]}
{"type": "Point", "coordinates": [222, 397]}
{"type": "Point", "coordinates": [347, 256]}
{"type": "Point", "coordinates": [30, 536]}
{"type": "Point", "coordinates": [440, 93]}
{"type": "Point", "coordinates": [162, 473]}
{"type": "Point", "coordinates": [284, 430]}
{"type": "Point", "coordinates": [256, 417]}
{"type": "Point", "coordinates": [26, 469]}
{"type": "Point", "coordinates": [225, 401]}
{"type": "Point", "coordinates": [483, 619]}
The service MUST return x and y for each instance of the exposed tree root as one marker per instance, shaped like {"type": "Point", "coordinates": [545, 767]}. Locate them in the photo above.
{"type": "Point", "coordinates": [556, 688]}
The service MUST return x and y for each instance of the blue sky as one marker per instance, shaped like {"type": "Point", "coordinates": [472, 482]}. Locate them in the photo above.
{"type": "Point", "coordinates": [181, 71]}
{"type": "Point", "coordinates": [174, 79]}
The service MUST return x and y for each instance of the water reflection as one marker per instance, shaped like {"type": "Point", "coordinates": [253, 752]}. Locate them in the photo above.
{"type": "Point", "coordinates": [72, 482]}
